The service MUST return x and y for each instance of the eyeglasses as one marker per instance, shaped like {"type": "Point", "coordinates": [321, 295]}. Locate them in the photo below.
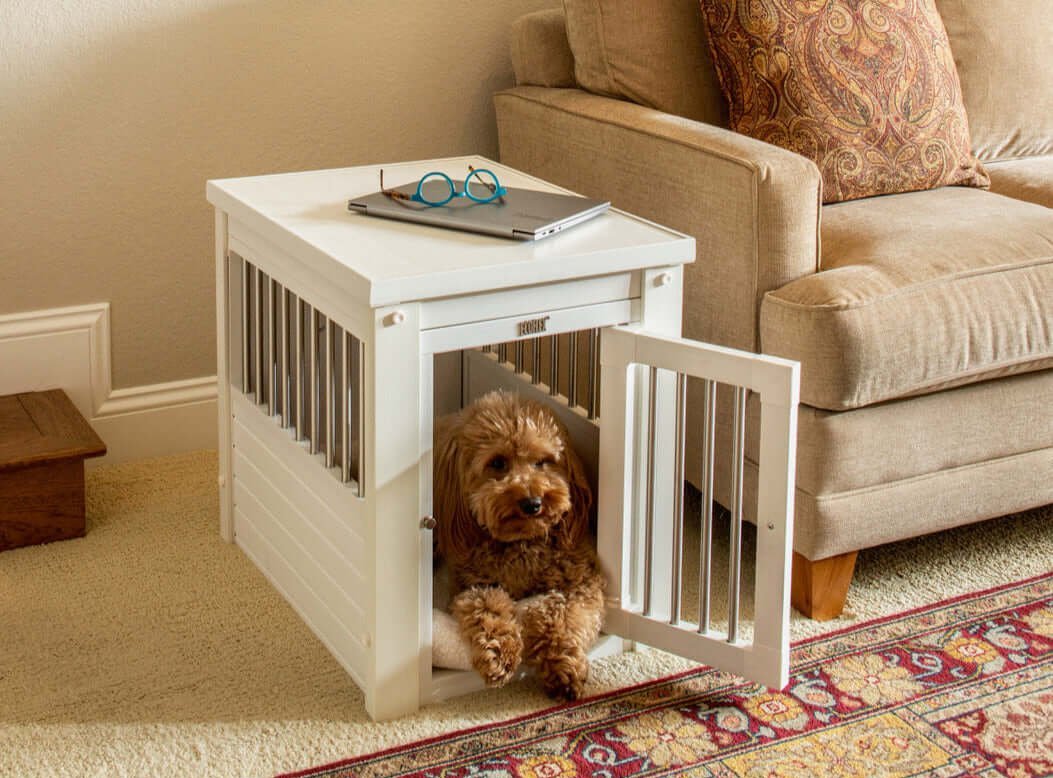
{"type": "Point", "coordinates": [436, 188]}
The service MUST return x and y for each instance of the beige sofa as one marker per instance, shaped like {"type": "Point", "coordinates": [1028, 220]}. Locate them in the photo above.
{"type": "Point", "coordinates": [923, 321]}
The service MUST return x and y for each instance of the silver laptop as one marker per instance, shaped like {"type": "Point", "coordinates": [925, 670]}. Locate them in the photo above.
{"type": "Point", "coordinates": [525, 214]}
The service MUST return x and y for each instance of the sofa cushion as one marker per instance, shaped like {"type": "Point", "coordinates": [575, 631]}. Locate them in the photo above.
{"type": "Point", "coordinates": [869, 92]}
{"type": "Point", "coordinates": [1002, 48]}
{"type": "Point", "coordinates": [918, 292]}
{"type": "Point", "coordinates": [541, 54]}
{"type": "Point", "coordinates": [1028, 179]}
{"type": "Point", "coordinates": [652, 53]}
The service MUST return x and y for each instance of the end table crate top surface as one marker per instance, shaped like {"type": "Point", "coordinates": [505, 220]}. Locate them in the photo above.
{"type": "Point", "coordinates": [38, 427]}
{"type": "Point", "coordinates": [386, 262]}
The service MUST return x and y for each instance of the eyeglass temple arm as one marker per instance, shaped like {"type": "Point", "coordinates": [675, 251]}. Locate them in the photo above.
{"type": "Point", "coordinates": [487, 184]}
{"type": "Point", "coordinates": [391, 192]}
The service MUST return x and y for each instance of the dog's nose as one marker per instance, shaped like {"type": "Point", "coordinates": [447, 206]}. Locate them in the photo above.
{"type": "Point", "coordinates": [530, 505]}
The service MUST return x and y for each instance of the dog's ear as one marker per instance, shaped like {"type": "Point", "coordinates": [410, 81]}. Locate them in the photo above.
{"type": "Point", "coordinates": [456, 530]}
{"type": "Point", "coordinates": [574, 527]}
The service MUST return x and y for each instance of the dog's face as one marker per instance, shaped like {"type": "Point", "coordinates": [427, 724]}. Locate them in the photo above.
{"type": "Point", "coordinates": [514, 472]}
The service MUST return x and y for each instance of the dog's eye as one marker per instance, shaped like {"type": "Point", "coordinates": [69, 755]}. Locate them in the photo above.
{"type": "Point", "coordinates": [497, 463]}
{"type": "Point", "coordinates": [542, 462]}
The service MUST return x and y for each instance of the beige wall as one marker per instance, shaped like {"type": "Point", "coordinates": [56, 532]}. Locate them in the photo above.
{"type": "Point", "coordinates": [114, 113]}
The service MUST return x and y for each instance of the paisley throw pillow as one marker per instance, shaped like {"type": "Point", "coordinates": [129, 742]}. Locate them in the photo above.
{"type": "Point", "coordinates": [867, 89]}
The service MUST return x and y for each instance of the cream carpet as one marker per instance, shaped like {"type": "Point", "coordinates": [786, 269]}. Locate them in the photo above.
{"type": "Point", "coordinates": [150, 647]}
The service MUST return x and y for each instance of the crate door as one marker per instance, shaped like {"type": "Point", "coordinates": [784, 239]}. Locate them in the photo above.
{"type": "Point", "coordinates": [641, 512]}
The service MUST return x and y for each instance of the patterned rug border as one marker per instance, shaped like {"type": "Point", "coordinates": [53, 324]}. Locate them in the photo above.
{"type": "Point", "coordinates": [939, 605]}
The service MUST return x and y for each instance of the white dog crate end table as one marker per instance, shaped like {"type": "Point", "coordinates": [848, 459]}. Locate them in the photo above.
{"type": "Point", "coordinates": [328, 327]}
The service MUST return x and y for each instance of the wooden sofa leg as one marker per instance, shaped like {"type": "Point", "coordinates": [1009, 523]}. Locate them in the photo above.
{"type": "Point", "coordinates": [818, 589]}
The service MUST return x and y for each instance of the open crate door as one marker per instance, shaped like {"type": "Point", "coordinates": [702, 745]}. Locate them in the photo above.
{"type": "Point", "coordinates": [641, 516]}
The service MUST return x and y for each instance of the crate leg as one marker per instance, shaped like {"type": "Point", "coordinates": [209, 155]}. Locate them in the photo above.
{"type": "Point", "coordinates": [393, 457]}
{"type": "Point", "coordinates": [661, 300]}
{"type": "Point", "coordinates": [226, 491]}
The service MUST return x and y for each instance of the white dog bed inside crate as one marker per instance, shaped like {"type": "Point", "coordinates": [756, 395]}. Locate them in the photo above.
{"type": "Point", "coordinates": [449, 650]}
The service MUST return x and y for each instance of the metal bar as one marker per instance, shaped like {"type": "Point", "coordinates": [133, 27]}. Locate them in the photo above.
{"type": "Point", "coordinates": [502, 352]}
{"type": "Point", "coordinates": [345, 402]}
{"type": "Point", "coordinates": [572, 370]}
{"type": "Point", "coordinates": [594, 366]}
{"type": "Point", "coordinates": [246, 293]}
{"type": "Point", "coordinates": [649, 508]}
{"type": "Point", "coordinates": [520, 356]}
{"type": "Point", "coordinates": [535, 361]}
{"type": "Point", "coordinates": [705, 572]}
{"type": "Point", "coordinates": [313, 358]}
{"type": "Point", "coordinates": [258, 350]}
{"type": "Point", "coordinates": [272, 382]}
{"type": "Point", "coordinates": [360, 383]}
{"type": "Point", "coordinates": [330, 394]}
{"type": "Point", "coordinates": [284, 359]}
{"type": "Point", "coordinates": [678, 498]}
{"type": "Point", "coordinates": [738, 450]}
{"type": "Point", "coordinates": [553, 365]}
{"type": "Point", "coordinates": [298, 364]}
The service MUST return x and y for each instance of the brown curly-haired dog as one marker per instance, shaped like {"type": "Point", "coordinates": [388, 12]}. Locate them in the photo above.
{"type": "Point", "coordinates": [512, 507]}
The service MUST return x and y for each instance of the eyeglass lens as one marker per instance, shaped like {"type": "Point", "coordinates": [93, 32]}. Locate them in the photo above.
{"type": "Point", "coordinates": [435, 189]}
{"type": "Point", "coordinates": [481, 184]}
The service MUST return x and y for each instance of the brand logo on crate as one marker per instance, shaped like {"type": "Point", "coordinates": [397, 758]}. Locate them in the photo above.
{"type": "Point", "coordinates": [532, 326]}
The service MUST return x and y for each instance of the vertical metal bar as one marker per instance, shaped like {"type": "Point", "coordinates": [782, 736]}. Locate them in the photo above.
{"type": "Point", "coordinates": [299, 368]}
{"type": "Point", "coordinates": [520, 356]}
{"type": "Point", "coordinates": [738, 451]}
{"type": "Point", "coordinates": [271, 329]}
{"type": "Point", "coordinates": [535, 361]}
{"type": "Point", "coordinates": [360, 384]}
{"type": "Point", "coordinates": [345, 402]}
{"type": "Point", "coordinates": [705, 572]}
{"type": "Point", "coordinates": [284, 359]}
{"type": "Point", "coordinates": [330, 394]}
{"type": "Point", "coordinates": [678, 498]}
{"type": "Point", "coordinates": [502, 352]}
{"type": "Point", "coordinates": [648, 550]}
{"type": "Point", "coordinates": [594, 365]}
{"type": "Point", "coordinates": [246, 293]}
{"type": "Point", "coordinates": [553, 365]}
{"type": "Point", "coordinates": [257, 351]}
{"type": "Point", "coordinates": [312, 348]}
{"type": "Point", "coordinates": [572, 370]}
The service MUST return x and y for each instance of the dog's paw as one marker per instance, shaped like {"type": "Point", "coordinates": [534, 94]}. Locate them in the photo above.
{"type": "Point", "coordinates": [487, 620]}
{"type": "Point", "coordinates": [564, 677]}
{"type": "Point", "coordinates": [496, 656]}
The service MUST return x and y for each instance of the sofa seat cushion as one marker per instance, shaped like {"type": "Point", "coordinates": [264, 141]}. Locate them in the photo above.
{"type": "Point", "coordinates": [1028, 179]}
{"type": "Point", "coordinates": [918, 292]}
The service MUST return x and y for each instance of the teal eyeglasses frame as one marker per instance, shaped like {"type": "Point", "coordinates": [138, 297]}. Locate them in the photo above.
{"type": "Point", "coordinates": [497, 192]}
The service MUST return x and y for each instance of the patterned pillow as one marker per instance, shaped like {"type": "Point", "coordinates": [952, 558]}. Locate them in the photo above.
{"type": "Point", "coordinates": [865, 88]}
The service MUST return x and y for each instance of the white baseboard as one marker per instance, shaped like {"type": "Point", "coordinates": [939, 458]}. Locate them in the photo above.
{"type": "Point", "coordinates": [153, 421]}
{"type": "Point", "coordinates": [69, 348]}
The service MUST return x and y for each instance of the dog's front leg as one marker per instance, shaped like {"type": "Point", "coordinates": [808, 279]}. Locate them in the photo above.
{"type": "Point", "coordinates": [558, 630]}
{"type": "Point", "coordinates": [486, 615]}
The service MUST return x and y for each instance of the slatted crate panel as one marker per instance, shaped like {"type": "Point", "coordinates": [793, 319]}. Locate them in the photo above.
{"type": "Point", "coordinates": [303, 370]}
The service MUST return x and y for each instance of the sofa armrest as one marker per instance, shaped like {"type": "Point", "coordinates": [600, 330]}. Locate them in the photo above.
{"type": "Point", "coordinates": [752, 208]}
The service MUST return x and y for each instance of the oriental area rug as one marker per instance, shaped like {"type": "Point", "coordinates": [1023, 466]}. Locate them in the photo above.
{"type": "Point", "coordinates": [961, 688]}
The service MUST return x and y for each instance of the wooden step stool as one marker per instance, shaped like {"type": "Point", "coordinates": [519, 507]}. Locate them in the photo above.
{"type": "Point", "coordinates": [43, 444]}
